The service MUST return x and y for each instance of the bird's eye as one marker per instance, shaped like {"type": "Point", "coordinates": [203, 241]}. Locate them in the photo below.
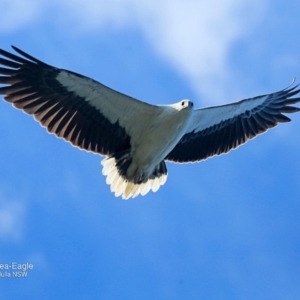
{"type": "Point", "coordinates": [182, 103]}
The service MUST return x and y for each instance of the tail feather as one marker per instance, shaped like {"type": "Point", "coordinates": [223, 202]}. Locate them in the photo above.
{"type": "Point", "coordinates": [115, 168]}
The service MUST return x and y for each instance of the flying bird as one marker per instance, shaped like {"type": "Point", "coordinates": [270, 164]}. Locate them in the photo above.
{"type": "Point", "coordinates": [135, 137]}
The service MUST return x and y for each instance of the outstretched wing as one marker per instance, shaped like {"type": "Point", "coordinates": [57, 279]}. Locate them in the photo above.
{"type": "Point", "coordinates": [218, 129]}
{"type": "Point", "coordinates": [83, 111]}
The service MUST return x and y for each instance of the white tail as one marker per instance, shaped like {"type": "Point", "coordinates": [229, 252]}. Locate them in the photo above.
{"type": "Point", "coordinates": [127, 189]}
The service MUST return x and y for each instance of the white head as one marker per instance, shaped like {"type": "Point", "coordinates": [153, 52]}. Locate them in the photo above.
{"type": "Point", "coordinates": [183, 104]}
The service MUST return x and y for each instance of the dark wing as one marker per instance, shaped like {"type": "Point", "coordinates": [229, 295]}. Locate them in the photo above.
{"type": "Point", "coordinates": [218, 129]}
{"type": "Point", "coordinates": [84, 112]}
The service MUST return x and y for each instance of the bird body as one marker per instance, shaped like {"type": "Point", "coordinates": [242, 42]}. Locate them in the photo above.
{"type": "Point", "coordinates": [148, 150]}
{"type": "Point", "coordinates": [135, 137]}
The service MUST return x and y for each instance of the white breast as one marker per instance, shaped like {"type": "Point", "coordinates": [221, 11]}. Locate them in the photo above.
{"type": "Point", "coordinates": [160, 137]}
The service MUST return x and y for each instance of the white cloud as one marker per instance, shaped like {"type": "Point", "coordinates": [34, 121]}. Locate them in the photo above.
{"type": "Point", "coordinates": [197, 37]}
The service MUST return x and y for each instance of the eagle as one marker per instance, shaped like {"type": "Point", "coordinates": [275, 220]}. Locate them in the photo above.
{"type": "Point", "coordinates": [135, 138]}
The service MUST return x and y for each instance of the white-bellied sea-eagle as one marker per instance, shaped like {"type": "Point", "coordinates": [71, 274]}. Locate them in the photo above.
{"type": "Point", "coordinates": [135, 137]}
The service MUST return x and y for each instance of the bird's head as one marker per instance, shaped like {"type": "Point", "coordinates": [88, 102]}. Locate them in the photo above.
{"type": "Point", "coordinates": [183, 104]}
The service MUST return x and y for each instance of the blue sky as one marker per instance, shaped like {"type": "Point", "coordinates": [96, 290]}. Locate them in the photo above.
{"type": "Point", "coordinates": [226, 228]}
